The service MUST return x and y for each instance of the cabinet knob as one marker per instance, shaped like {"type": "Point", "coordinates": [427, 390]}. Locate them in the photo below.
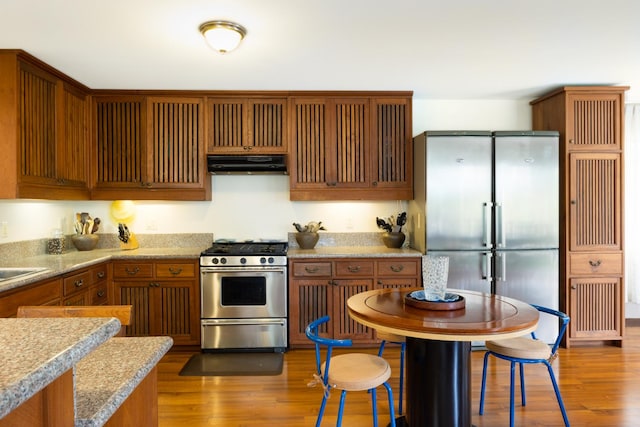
{"type": "Point", "coordinates": [101, 294]}
{"type": "Point", "coordinates": [374, 183]}
{"type": "Point", "coordinates": [574, 202]}
{"type": "Point", "coordinates": [571, 141]}
{"type": "Point", "coordinates": [78, 283]}
{"type": "Point", "coordinates": [101, 274]}
{"type": "Point", "coordinates": [574, 287]}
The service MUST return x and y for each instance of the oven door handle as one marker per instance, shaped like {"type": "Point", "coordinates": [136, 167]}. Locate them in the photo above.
{"type": "Point", "coordinates": [243, 270]}
{"type": "Point", "coordinates": [216, 322]}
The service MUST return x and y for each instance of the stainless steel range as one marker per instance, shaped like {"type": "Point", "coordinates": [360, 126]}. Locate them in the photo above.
{"type": "Point", "coordinates": [244, 297]}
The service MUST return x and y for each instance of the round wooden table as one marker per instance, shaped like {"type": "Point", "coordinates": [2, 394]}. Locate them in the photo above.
{"type": "Point", "coordinates": [438, 377]}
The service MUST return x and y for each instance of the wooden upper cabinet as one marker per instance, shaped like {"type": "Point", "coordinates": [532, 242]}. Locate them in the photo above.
{"type": "Point", "coordinates": [350, 148]}
{"type": "Point", "coordinates": [594, 121]}
{"type": "Point", "coordinates": [242, 125]}
{"type": "Point", "coordinates": [44, 131]}
{"type": "Point", "coordinates": [595, 206]}
{"type": "Point", "coordinates": [150, 148]}
{"type": "Point", "coordinates": [393, 154]}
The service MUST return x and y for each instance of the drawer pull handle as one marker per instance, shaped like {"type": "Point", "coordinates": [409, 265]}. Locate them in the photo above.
{"type": "Point", "coordinates": [78, 283]}
{"type": "Point", "coordinates": [101, 274]}
{"type": "Point", "coordinates": [354, 268]}
{"type": "Point", "coordinates": [154, 285]}
{"type": "Point", "coordinates": [397, 268]}
{"type": "Point", "coordinates": [101, 294]}
{"type": "Point", "coordinates": [311, 269]}
{"type": "Point", "coordinates": [175, 271]}
{"type": "Point", "coordinates": [132, 272]}
{"type": "Point", "coordinates": [594, 264]}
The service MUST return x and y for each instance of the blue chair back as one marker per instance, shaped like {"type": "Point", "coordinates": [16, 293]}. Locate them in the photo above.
{"type": "Point", "coordinates": [311, 332]}
{"type": "Point", "coordinates": [564, 321]}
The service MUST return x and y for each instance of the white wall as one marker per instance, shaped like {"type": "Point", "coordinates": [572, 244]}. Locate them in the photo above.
{"type": "Point", "coordinates": [251, 207]}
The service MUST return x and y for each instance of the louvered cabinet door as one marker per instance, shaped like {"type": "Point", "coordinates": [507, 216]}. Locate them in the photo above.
{"type": "Point", "coordinates": [37, 126]}
{"type": "Point", "coordinates": [595, 202]}
{"type": "Point", "coordinates": [594, 121]}
{"type": "Point", "coordinates": [596, 308]}
{"type": "Point", "coordinates": [344, 327]}
{"type": "Point", "coordinates": [120, 142]}
{"type": "Point", "coordinates": [311, 163]}
{"type": "Point", "coordinates": [175, 311]}
{"type": "Point", "coordinates": [392, 154]}
{"type": "Point", "coordinates": [175, 148]}
{"type": "Point", "coordinates": [309, 299]}
{"type": "Point", "coordinates": [73, 148]}
{"type": "Point", "coordinates": [246, 125]}
{"type": "Point", "coordinates": [138, 295]}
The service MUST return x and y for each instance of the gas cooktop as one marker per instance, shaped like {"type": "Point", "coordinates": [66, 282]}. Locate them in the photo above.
{"type": "Point", "coordinates": [246, 248]}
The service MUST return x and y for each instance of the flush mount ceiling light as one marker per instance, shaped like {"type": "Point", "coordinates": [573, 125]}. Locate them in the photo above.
{"type": "Point", "coordinates": [222, 36]}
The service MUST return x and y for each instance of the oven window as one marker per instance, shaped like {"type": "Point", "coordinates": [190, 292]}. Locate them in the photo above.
{"type": "Point", "coordinates": [244, 290]}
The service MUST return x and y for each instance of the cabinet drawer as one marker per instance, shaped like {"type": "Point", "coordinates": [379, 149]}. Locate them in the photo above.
{"type": "Point", "coordinates": [175, 270]}
{"type": "Point", "coordinates": [396, 267]}
{"type": "Point", "coordinates": [307, 269]}
{"type": "Point", "coordinates": [76, 282]}
{"type": "Point", "coordinates": [130, 270]}
{"type": "Point", "coordinates": [354, 268]}
{"type": "Point", "coordinates": [99, 294]}
{"type": "Point", "coordinates": [590, 263]}
{"type": "Point", "coordinates": [99, 273]}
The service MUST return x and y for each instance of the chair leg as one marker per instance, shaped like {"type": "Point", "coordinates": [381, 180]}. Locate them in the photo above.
{"type": "Point", "coordinates": [321, 411]}
{"type": "Point", "coordinates": [522, 392]}
{"type": "Point", "coordinates": [343, 395]}
{"type": "Point", "coordinates": [374, 407]}
{"type": "Point", "coordinates": [484, 382]}
{"type": "Point", "coordinates": [511, 394]}
{"type": "Point", "coordinates": [558, 396]}
{"type": "Point", "coordinates": [390, 398]}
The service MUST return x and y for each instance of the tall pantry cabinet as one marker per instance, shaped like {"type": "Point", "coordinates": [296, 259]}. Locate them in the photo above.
{"type": "Point", "coordinates": [590, 121]}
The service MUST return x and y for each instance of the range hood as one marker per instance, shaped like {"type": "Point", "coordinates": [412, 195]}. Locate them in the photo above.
{"type": "Point", "coordinates": [246, 164]}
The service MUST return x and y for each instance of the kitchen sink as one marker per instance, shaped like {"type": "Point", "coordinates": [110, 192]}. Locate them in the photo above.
{"type": "Point", "coordinates": [8, 273]}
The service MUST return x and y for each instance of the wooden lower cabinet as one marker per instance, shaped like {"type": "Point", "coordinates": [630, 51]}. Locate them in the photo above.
{"type": "Point", "coordinates": [165, 298]}
{"type": "Point", "coordinates": [322, 286]}
{"type": "Point", "coordinates": [46, 292]}
{"type": "Point", "coordinates": [595, 304]}
{"type": "Point", "coordinates": [87, 287]}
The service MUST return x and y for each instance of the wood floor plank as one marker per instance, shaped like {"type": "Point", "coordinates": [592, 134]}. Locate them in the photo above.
{"type": "Point", "coordinates": [600, 387]}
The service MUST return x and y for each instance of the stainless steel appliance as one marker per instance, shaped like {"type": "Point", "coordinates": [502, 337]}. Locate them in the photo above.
{"type": "Point", "coordinates": [244, 297]}
{"type": "Point", "coordinates": [489, 201]}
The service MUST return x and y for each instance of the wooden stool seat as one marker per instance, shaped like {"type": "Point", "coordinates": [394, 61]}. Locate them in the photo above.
{"type": "Point", "coordinates": [357, 371]}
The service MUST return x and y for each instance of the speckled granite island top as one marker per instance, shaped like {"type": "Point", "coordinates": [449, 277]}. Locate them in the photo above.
{"type": "Point", "coordinates": [34, 352]}
{"type": "Point", "coordinates": [105, 378]}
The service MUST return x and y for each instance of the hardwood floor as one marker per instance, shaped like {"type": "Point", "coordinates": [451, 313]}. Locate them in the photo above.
{"type": "Point", "coordinates": [600, 387]}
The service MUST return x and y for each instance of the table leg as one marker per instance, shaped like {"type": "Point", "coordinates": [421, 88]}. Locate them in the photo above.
{"type": "Point", "coordinates": [438, 380]}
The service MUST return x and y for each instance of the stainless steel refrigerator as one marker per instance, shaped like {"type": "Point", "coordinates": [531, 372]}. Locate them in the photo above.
{"type": "Point", "coordinates": [489, 201]}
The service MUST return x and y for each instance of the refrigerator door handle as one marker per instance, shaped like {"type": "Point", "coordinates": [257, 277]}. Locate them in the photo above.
{"type": "Point", "coordinates": [486, 229]}
{"type": "Point", "coordinates": [500, 238]}
{"type": "Point", "coordinates": [501, 274]}
{"type": "Point", "coordinates": [486, 267]}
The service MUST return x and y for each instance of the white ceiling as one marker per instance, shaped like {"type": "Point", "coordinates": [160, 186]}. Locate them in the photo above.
{"type": "Point", "coordinates": [440, 49]}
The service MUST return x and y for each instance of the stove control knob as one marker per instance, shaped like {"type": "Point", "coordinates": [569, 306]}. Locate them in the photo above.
{"type": "Point", "coordinates": [243, 260]}
{"type": "Point", "coordinates": [270, 260]}
{"type": "Point", "coordinates": [223, 260]}
{"type": "Point", "coordinates": [214, 260]}
{"type": "Point", "coordinates": [262, 260]}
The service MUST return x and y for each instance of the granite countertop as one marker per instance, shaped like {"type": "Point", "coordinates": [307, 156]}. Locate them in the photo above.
{"type": "Point", "coordinates": [107, 377]}
{"type": "Point", "coordinates": [34, 352]}
{"type": "Point", "coordinates": [352, 252]}
{"type": "Point", "coordinates": [56, 265]}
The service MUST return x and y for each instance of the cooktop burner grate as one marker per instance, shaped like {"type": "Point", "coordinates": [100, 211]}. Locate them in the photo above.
{"type": "Point", "coordinates": [247, 248]}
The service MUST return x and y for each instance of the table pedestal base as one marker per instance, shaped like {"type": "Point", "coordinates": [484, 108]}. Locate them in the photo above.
{"type": "Point", "coordinates": [439, 384]}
